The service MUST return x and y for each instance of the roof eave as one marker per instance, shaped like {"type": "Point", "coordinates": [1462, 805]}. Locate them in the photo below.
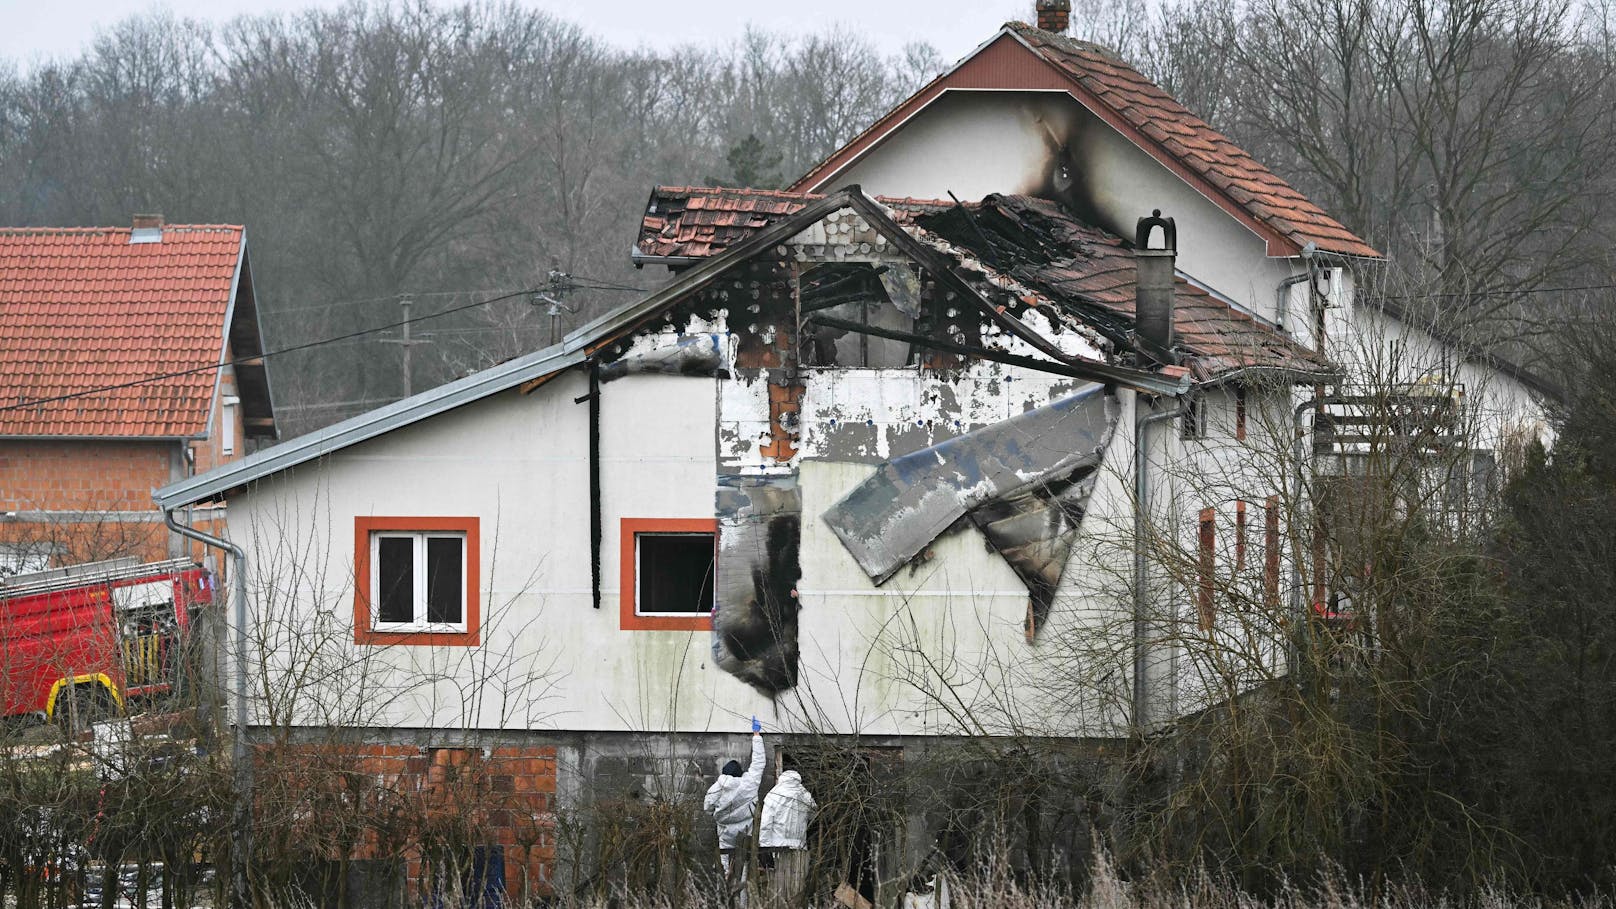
{"type": "Point", "coordinates": [68, 437]}
{"type": "Point", "coordinates": [216, 483]}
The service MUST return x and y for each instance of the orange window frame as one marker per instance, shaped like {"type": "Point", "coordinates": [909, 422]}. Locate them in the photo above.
{"type": "Point", "coordinates": [1271, 552]}
{"type": "Point", "coordinates": [363, 631]}
{"type": "Point", "coordinates": [628, 583]}
{"type": "Point", "coordinates": [1206, 562]}
{"type": "Point", "coordinates": [1240, 536]}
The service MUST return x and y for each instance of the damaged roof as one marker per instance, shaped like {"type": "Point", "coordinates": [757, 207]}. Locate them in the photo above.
{"type": "Point", "coordinates": [1142, 112]}
{"type": "Point", "coordinates": [689, 222]}
{"type": "Point", "coordinates": [584, 344]}
{"type": "Point", "coordinates": [1091, 274]}
{"type": "Point", "coordinates": [1045, 252]}
{"type": "Point", "coordinates": [1158, 118]}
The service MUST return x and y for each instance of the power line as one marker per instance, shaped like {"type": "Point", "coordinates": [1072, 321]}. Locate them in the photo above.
{"type": "Point", "coordinates": [1499, 293]}
{"type": "Point", "coordinates": [275, 311]}
{"type": "Point", "coordinates": [593, 284]}
{"type": "Point", "coordinates": [267, 354]}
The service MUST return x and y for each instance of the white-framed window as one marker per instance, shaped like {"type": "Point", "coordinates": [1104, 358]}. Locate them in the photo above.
{"type": "Point", "coordinates": [418, 581]}
{"type": "Point", "coordinates": [227, 426]}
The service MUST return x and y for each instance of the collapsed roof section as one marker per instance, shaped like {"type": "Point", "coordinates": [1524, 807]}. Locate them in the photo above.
{"type": "Point", "coordinates": [595, 340]}
{"type": "Point", "coordinates": [1032, 251]}
{"type": "Point", "coordinates": [1023, 482]}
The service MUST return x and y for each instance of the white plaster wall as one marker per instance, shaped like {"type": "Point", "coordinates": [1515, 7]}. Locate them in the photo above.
{"type": "Point", "coordinates": [1376, 348]}
{"type": "Point", "coordinates": [978, 142]}
{"type": "Point", "coordinates": [938, 648]}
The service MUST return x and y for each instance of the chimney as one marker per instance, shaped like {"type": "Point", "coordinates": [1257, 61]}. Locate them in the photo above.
{"type": "Point", "coordinates": [147, 229]}
{"type": "Point", "coordinates": [1054, 15]}
{"type": "Point", "coordinates": [1153, 293]}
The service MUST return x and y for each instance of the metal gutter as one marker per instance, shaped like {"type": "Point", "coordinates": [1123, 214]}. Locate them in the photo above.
{"type": "Point", "coordinates": [1141, 627]}
{"type": "Point", "coordinates": [217, 482]}
{"type": "Point", "coordinates": [88, 438]}
{"type": "Point", "coordinates": [87, 517]}
{"type": "Point", "coordinates": [241, 816]}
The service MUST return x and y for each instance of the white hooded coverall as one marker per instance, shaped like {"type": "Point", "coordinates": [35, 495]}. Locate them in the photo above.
{"type": "Point", "coordinates": [732, 799]}
{"type": "Point", "coordinates": [786, 810]}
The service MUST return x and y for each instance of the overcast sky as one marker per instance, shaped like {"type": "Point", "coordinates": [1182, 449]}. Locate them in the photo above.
{"type": "Point", "coordinates": [35, 29]}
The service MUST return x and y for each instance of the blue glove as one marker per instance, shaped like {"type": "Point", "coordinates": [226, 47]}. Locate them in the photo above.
{"type": "Point", "coordinates": [756, 726]}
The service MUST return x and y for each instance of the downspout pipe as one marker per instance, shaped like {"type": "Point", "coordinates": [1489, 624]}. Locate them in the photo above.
{"type": "Point", "coordinates": [1141, 491]}
{"type": "Point", "coordinates": [241, 819]}
{"type": "Point", "coordinates": [1299, 592]}
{"type": "Point", "coordinates": [1282, 296]}
{"type": "Point", "coordinates": [593, 398]}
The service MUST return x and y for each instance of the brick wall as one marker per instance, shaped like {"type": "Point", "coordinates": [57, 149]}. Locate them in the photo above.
{"type": "Point", "coordinates": [82, 476]}
{"type": "Point", "coordinates": [114, 480]}
{"type": "Point", "coordinates": [426, 800]}
{"type": "Point", "coordinates": [111, 479]}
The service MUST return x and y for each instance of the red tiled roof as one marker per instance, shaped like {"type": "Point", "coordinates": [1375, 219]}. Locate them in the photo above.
{"type": "Point", "coordinates": [83, 308]}
{"type": "Point", "coordinates": [1072, 265]}
{"type": "Point", "coordinates": [1024, 57]}
{"type": "Point", "coordinates": [1160, 119]}
{"type": "Point", "coordinates": [695, 222]}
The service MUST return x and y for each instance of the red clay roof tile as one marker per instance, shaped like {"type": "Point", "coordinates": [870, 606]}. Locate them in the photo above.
{"type": "Point", "coordinates": [83, 308]}
{"type": "Point", "coordinates": [1150, 118]}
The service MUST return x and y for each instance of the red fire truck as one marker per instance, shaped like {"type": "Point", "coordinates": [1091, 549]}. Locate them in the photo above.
{"type": "Point", "coordinates": [79, 643]}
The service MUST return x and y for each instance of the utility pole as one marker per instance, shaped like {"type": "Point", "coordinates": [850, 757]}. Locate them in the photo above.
{"type": "Point", "coordinates": [404, 302]}
{"type": "Point", "coordinates": [560, 284]}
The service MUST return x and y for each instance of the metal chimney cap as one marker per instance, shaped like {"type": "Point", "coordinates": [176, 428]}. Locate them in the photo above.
{"type": "Point", "coordinates": [1141, 238]}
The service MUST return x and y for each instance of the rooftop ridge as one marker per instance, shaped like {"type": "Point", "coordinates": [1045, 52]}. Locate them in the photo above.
{"type": "Point", "coordinates": [1075, 44]}
{"type": "Point", "coordinates": [738, 190]}
{"type": "Point", "coordinates": [87, 231]}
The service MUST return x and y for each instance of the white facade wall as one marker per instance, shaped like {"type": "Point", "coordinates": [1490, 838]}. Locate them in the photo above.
{"type": "Point", "coordinates": [939, 648]}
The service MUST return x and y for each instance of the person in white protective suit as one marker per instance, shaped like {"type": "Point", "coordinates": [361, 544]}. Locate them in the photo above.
{"type": "Point", "coordinates": [783, 833]}
{"type": "Point", "coordinates": [732, 798]}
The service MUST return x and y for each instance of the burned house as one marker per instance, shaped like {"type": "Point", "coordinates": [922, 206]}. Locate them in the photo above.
{"type": "Point", "coordinates": [866, 464]}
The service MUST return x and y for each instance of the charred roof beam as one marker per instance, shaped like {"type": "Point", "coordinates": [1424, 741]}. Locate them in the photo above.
{"type": "Point", "coordinates": [1136, 379]}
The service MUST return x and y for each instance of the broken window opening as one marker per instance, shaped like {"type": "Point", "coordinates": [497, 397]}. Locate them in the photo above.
{"type": "Point", "coordinates": [1192, 420]}
{"type": "Point", "coordinates": [673, 573]}
{"type": "Point", "coordinates": [855, 292]}
{"type": "Point", "coordinates": [418, 581]}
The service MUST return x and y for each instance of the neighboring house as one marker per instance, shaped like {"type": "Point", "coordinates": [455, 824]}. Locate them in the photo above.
{"type": "Point", "coordinates": [111, 385]}
{"type": "Point", "coordinates": [892, 437]}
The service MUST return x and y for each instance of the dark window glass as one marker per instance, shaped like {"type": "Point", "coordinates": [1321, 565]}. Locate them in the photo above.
{"type": "Point", "coordinates": [444, 580]}
{"type": "Point", "coordinates": [1193, 425]}
{"type": "Point", "coordinates": [675, 573]}
{"type": "Point", "coordinates": [395, 579]}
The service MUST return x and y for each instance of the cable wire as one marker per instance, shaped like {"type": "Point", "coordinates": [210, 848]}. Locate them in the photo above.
{"type": "Point", "coordinates": [262, 356]}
